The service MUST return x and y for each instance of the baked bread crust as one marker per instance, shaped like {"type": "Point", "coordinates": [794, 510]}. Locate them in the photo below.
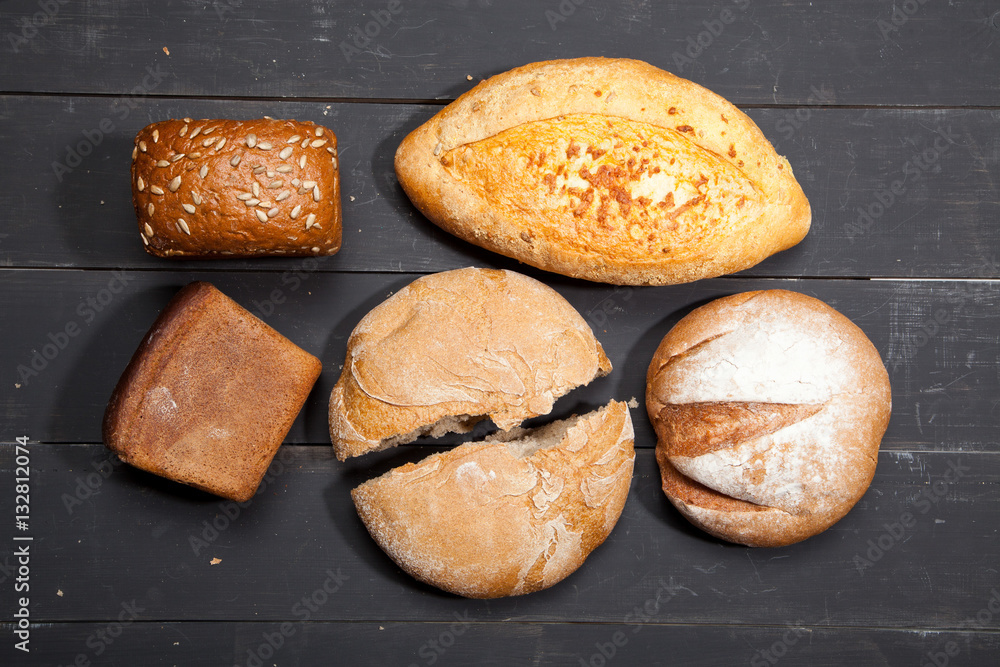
{"type": "Point", "coordinates": [769, 408]}
{"type": "Point", "coordinates": [496, 518]}
{"type": "Point", "coordinates": [215, 188]}
{"type": "Point", "coordinates": [209, 395]}
{"type": "Point", "coordinates": [604, 169]}
{"type": "Point", "coordinates": [453, 347]}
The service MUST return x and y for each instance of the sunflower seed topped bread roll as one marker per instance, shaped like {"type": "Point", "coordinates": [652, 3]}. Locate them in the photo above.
{"type": "Point", "coordinates": [228, 188]}
{"type": "Point", "coordinates": [769, 408]}
{"type": "Point", "coordinates": [453, 347]}
{"type": "Point", "coordinates": [509, 516]}
{"type": "Point", "coordinates": [604, 169]}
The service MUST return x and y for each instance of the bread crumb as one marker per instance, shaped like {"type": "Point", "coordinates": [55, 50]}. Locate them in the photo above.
{"type": "Point", "coordinates": [633, 403]}
{"type": "Point", "coordinates": [166, 50]}
{"type": "Point", "coordinates": [352, 197]}
{"type": "Point", "coordinates": [59, 592]}
{"type": "Point", "coordinates": [215, 561]}
{"type": "Point", "coordinates": [468, 77]}
{"type": "Point", "coordinates": [17, 385]}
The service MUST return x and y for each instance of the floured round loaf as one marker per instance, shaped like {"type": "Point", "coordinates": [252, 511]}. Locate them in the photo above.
{"type": "Point", "coordinates": [605, 169]}
{"type": "Point", "coordinates": [769, 408]}
{"type": "Point", "coordinates": [509, 516]}
{"type": "Point", "coordinates": [453, 347]}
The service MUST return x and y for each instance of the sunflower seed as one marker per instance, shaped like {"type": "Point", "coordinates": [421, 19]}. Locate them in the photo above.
{"type": "Point", "coordinates": [319, 131]}
{"type": "Point", "coordinates": [292, 139]}
{"type": "Point", "coordinates": [189, 208]}
{"type": "Point", "coordinates": [295, 212]}
{"type": "Point", "coordinates": [184, 130]}
{"type": "Point", "coordinates": [220, 143]}
{"type": "Point", "coordinates": [156, 189]}
{"type": "Point", "coordinates": [141, 184]}
{"type": "Point", "coordinates": [270, 174]}
{"type": "Point", "coordinates": [272, 212]}
{"type": "Point", "coordinates": [335, 165]}
{"type": "Point", "coordinates": [162, 163]}
{"type": "Point", "coordinates": [188, 120]}
{"type": "Point", "coordinates": [264, 146]}
{"type": "Point", "coordinates": [268, 117]}
{"type": "Point", "coordinates": [264, 204]}
{"type": "Point", "coordinates": [149, 230]}
{"type": "Point", "coordinates": [156, 136]}
{"type": "Point", "coordinates": [302, 162]}
{"type": "Point", "coordinates": [196, 198]}
{"type": "Point", "coordinates": [255, 188]}
{"type": "Point", "coordinates": [284, 169]}
{"type": "Point", "coordinates": [319, 142]}
{"type": "Point", "coordinates": [176, 157]}
{"type": "Point", "coordinates": [316, 193]}
{"type": "Point", "coordinates": [145, 241]}
{"type": "Point", "coordinates": [210, 140]}
{"type": "Point", "coordinates": [283, 196]}
{"type": "Point", "coordinates": [235, 160]}
{"type": "Point", "coordinates": [174, 184]}
{"type": "Point", "coordinates": [243, 196]}
{"type": "Point", "coordinates": [258, 170]}
{"type": "Point", "coordinates": [331, 150]}
{"type": "Point", "coordinates": [184, 226]}
{"type": "Point", "coordinates": [251, 202]}
{"type": "Point", "coordinates": [315, 249]}
{"type": "Point", "coordinates": [150, 209]}
{"type": "Point", "coordinates": [274, 185]}
{"type": "Point", "coordinates": [142, 146]}
{"type": "Point", "coordinates": [195, 133]}
{"type": "Point", "coordinates": [310, 220]}
{"type": "Point", "coordinates": [135, 153]}
{"type": "Point", "coordinates": [308, 185]}
{"type": "Point", "coordinates": [251, 140]}
{"type": "Point", "coordinates": [296, 182]}
{"type": "Point", "coordinates": [285, 152]}
{"type": "Point", "coordinates": [303, 191]}
{"type": "Point", "coordinates": [437, 149]}
{"type": "Point", "coordinates": [203, 172]}
{"type": "Point", "coordinates": [261, 215]}
{"type": "Point", "coordinates": [210, 131]}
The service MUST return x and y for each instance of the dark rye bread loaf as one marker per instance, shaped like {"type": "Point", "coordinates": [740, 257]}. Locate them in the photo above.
{"type": "Point", "coordinates": [769, 408]}
{"type": "Point", "coordinates": [509, 516]}
{"type": "Point", "coordinates": [215, 188]}
{"type": "Point", "coordinates": [209, 395]}
{"type": "Point", "coordinates": [605, 169]}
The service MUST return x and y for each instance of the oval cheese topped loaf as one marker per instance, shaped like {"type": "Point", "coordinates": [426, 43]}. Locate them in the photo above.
{"type": "Point", "coordinates": [605, 169]}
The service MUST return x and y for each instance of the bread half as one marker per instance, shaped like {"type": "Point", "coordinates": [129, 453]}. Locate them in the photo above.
{"type": "Point", "coordinates": [512, 515]}
{"type": "Point", "coordinates": [452, 348]}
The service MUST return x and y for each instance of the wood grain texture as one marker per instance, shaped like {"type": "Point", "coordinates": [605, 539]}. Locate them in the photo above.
{"type": "Point", "coordinates": [926, 527]}
{"type": "Point", "coordinates": [939, 341]}
{"type": "Point", "coordinates": [855, 52]}
{"type": "Point", "coordinates": [895, 193]}
{"type": "Point", "coordinates": [461, 643]}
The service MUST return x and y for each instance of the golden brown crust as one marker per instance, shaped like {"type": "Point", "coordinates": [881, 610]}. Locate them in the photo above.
{"type": "Point", "coordinates": [214, 188]}
{"type": "Point", "coordinates": [209, 395]}
{"type": "Point", "coordinates": [769, 408]}
{"type": "Point", "coordinates": [492, 519]}
{"type": "Point", "coordinates": [604, 169]}
{"type": "Point", "coordinates": [453, 347]}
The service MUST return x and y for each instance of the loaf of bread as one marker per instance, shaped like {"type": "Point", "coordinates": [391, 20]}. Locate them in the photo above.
{"type": "Point", "coordinates": [209, 395]}
{"type": "Point", "coordinates": [605, 169]}
{"type": "Point", "coordinates": [215, 188]}
{"type": "Point", "coordinates": [453, 347]}
{"type": "Point", "coordinates": [769, 408]}
{"type": "Point", "coordinates": [509, 516]}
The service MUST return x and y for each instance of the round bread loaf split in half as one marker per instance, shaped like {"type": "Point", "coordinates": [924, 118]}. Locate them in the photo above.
{"type": "Point", "coordinates": [769, 408]}
{"type": "Point", "coordinates": [451, 348]}
{"type": "Point", "coordinates": [605, 169]}
{"type": "Point", "coordinates": [509, 516]}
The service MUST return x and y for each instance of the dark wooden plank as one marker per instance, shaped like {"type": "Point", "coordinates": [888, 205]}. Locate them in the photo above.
{"type": "Point", "coordinates": [462, 643]}
{"type": "Point", "coordinates": [939, 341]}
{"type": "Point", "coordinates": [58, 211]}
{"type": "Point", "coordinates": [752, 51]}
{"type": "Point", "coordinates": [918, 551]}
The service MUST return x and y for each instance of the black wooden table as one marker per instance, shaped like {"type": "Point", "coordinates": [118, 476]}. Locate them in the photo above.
{"type": "Point", "coordinates": [889, 114]}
